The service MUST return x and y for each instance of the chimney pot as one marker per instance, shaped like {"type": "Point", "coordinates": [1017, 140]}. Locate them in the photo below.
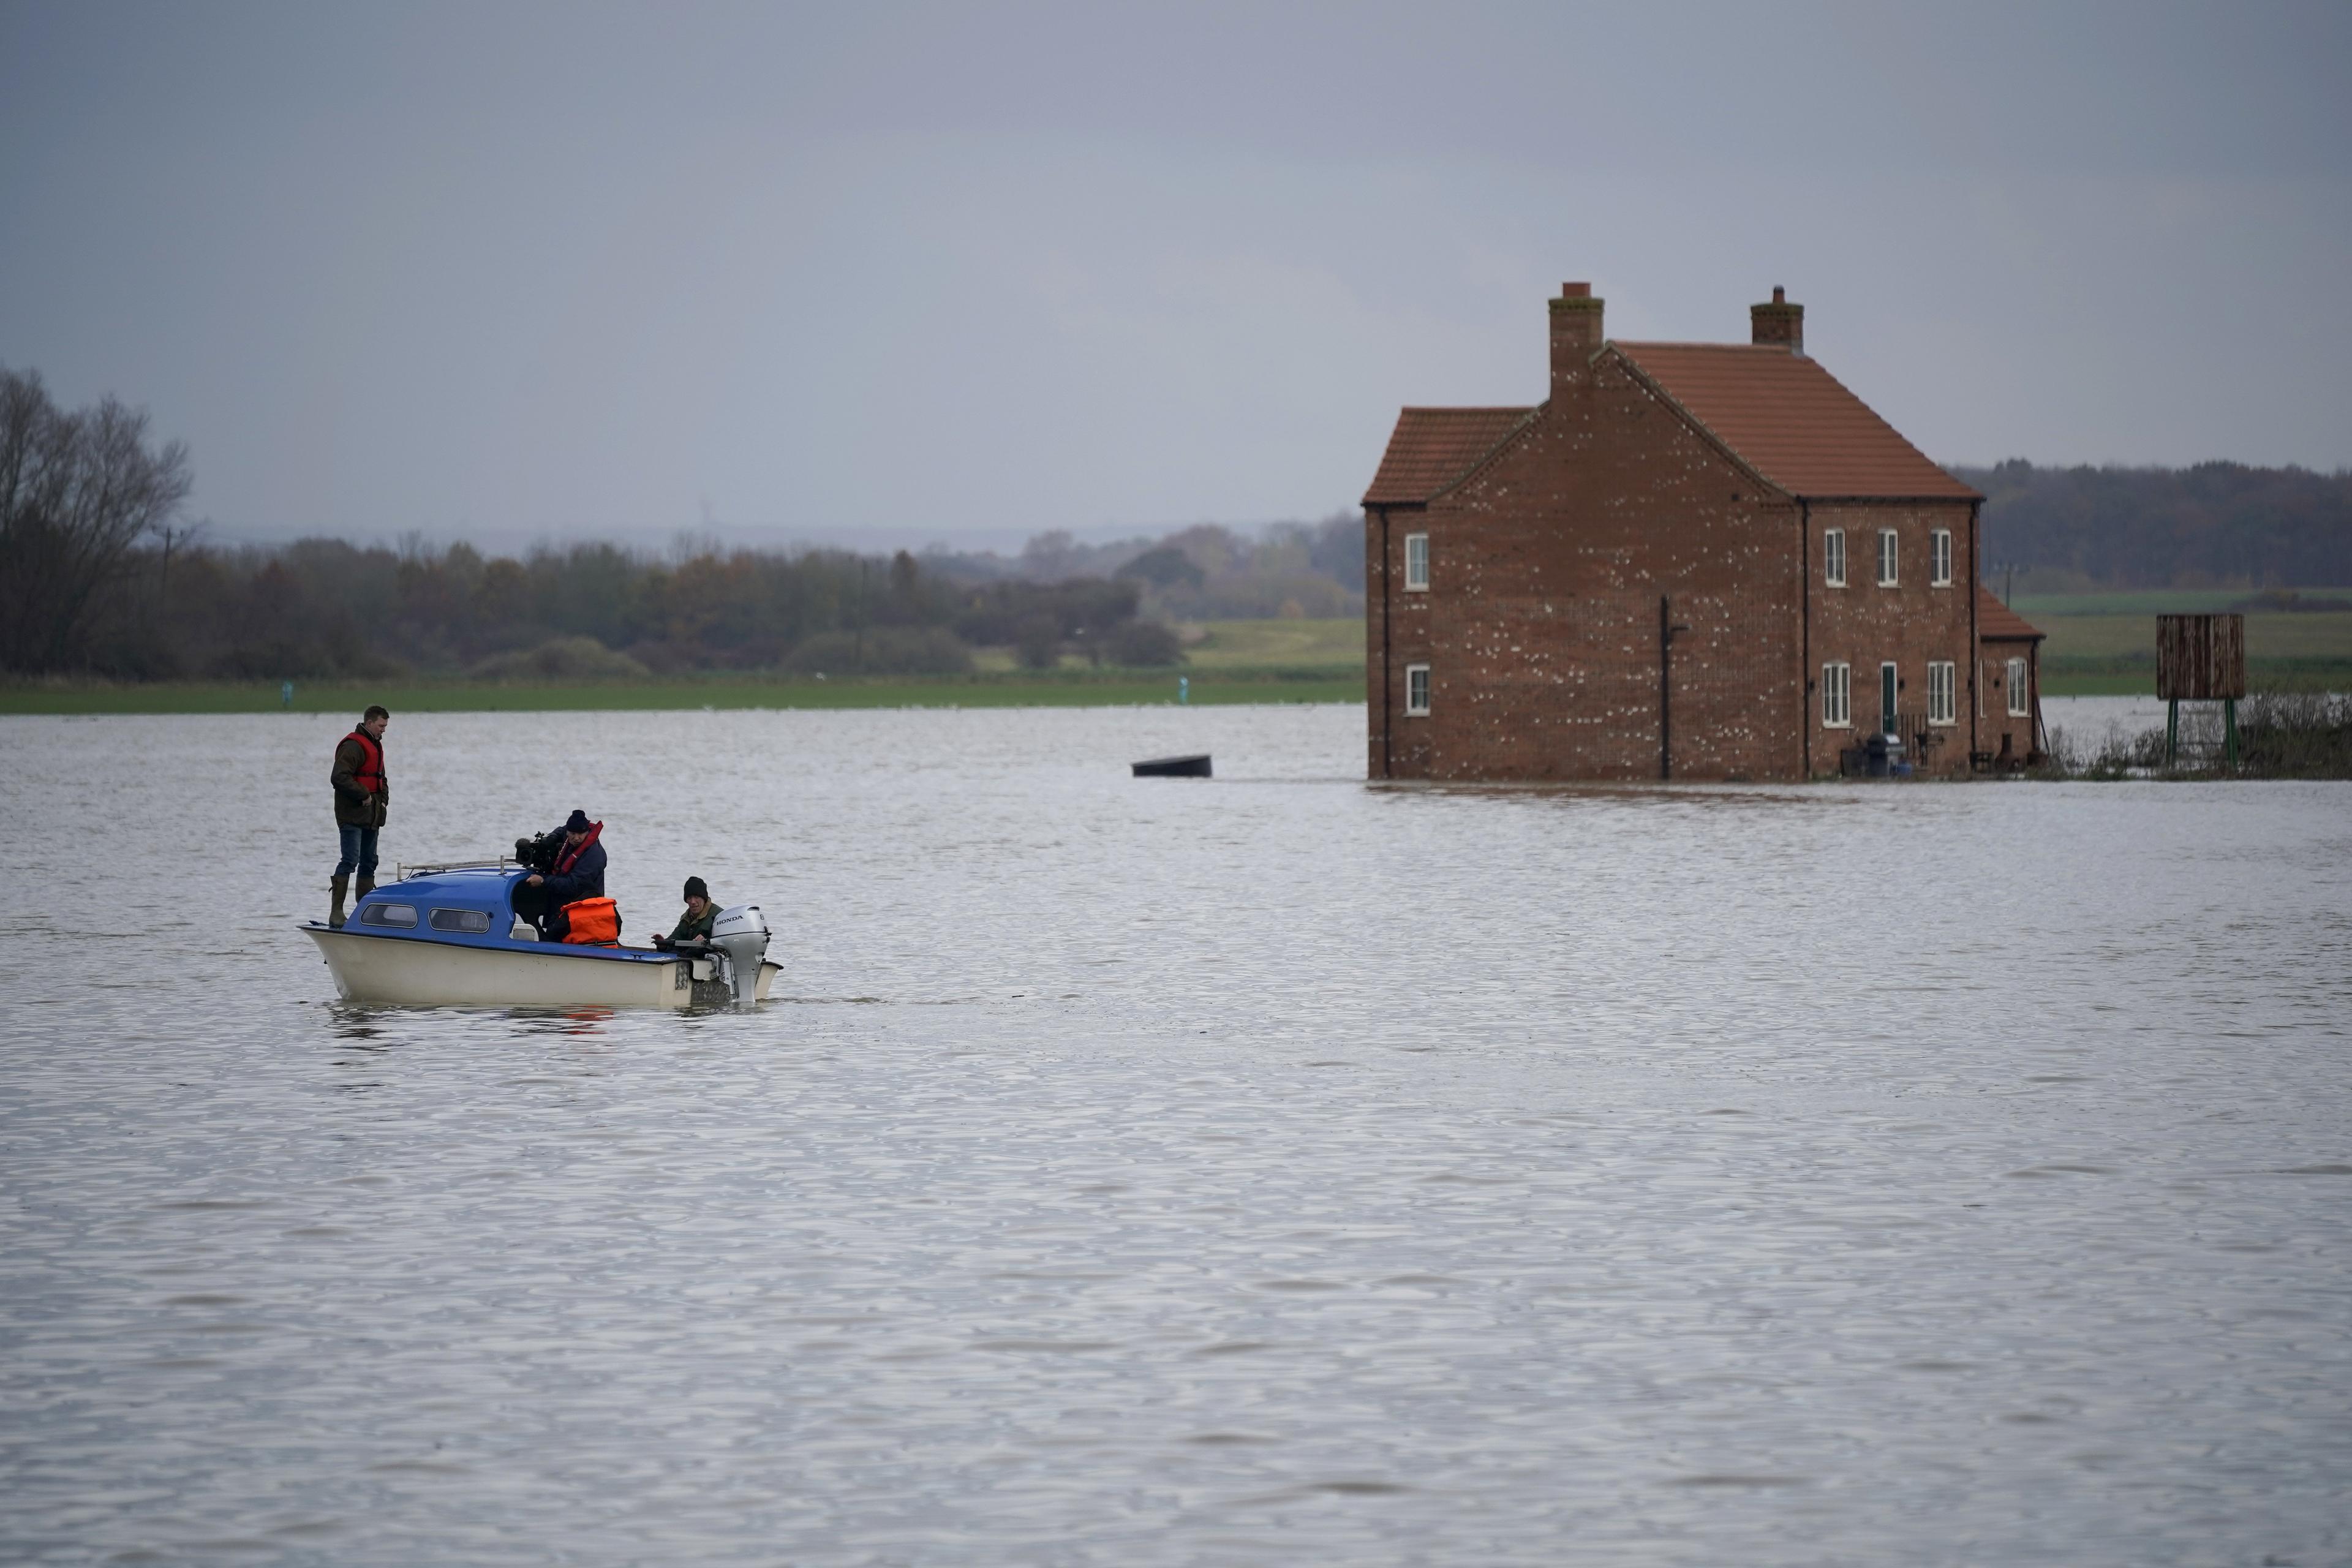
{"type": "Point", "coordinates": [1576, 290]}
{"type": "Point", "coordinates": [1779, 295]}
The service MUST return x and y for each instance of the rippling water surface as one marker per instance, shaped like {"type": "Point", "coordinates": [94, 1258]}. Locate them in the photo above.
{"type": "Point", "coordinates": [1269, 1170]}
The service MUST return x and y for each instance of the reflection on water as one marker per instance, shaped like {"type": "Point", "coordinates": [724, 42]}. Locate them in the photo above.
{"type": "Point", "coordinates": [1267, 1169]}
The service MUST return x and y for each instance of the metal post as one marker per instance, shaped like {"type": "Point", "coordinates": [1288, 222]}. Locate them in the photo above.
{"type": "Point", "coordinates": [2230, 729]}
{"type": "Point", "coordinates": [1388, 717]}
{"type": "Point", "coordinates": [2171, 731]}
{"type": "Point", "coordinates": [1666, 630]}
{"type": "Point", "coordinates": [1665, 692]}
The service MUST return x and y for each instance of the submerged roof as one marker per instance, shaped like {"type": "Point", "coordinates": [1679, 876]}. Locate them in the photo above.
{"type": "Point", "coordinates": [1791, 421]}
{"type": "Point", "coordinates": [1996, 621]}
{"type": "Point", "coordinates": [1433, 448]}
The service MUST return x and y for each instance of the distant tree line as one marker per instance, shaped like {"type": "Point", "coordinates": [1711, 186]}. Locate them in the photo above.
{"type": "Point", "coordinates": [323, 608]}
{"type": "Point", "coordinates": [100, 575]}
{"type": "Point", "coordinates": [1206, 572]}
{"type": "Point", "coordinates": [2214, 525]}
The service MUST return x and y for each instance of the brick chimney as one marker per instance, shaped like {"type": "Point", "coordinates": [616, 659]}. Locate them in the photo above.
{"type": "Point", "coordinates": [1778, 325]}
{"type": "Point", "coordinates": [1575, 334]}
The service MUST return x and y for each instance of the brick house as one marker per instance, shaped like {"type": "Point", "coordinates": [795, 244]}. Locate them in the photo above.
{"type": "Point", "coordinates": [1691, 561]}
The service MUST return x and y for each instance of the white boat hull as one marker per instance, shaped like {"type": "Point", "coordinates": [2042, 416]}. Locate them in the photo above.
{"type": "Point", "coordinates": [405, 971]}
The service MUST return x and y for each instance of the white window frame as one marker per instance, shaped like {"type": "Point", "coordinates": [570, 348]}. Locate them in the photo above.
{"type": "Point", "coordinates": [2018, 706]}
{"type": "Point", "coordinates": [1834, 557]}
{"type": "Point", "coordinates": [1939, 559]}
{"type": "Point", "coordinates": [1943, 692]}
{"type": "Point", "coordinates": [1412, 708]}
{"type": "Point", "coordinates": [1416, 564]}
{"type": "Point", "coordinates": [1887, 559]}
{"type": "Point", "coordinates": [1837, 696]}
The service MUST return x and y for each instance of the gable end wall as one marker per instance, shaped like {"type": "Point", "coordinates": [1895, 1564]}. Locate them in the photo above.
{"type": "Point", "coordinates": [1541, 624]}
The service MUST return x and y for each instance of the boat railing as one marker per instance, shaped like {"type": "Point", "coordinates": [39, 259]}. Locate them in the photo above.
{"type": "Point", "coordinates": [403, 871]}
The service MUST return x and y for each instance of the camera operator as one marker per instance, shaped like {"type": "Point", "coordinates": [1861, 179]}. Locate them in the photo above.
{"type": "Point", "coordinates": [575, 871]}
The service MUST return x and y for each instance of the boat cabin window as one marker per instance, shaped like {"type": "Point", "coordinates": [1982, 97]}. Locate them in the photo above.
{"type": "Point", "coordinates": [388, 915]}
{"type": "Point", "coordinates": [458, 919]}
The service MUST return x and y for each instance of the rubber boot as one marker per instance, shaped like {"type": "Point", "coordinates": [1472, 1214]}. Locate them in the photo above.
{"type": "Point", "coordinates": [367, 886]}
{"type": "Point", "coordinates": [339, 886]}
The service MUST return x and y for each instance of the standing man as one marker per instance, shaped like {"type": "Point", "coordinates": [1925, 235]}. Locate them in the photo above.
{"type": "Point", "coordinates": [360, 797]}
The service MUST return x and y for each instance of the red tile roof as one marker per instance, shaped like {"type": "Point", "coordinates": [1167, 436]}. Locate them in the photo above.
{"type": "Point", "coordinates": [1996, 621]}
{"type": "Point", "coordinates": [1790, 420]}
{"type": "Point", "coordinates": [1433, 448]}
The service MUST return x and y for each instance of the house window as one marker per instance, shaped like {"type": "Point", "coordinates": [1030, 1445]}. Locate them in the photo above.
{"type": "Point", "coordinates": [1416, 563]}
{"type": "Point", "coordinates": [1943, 692]}
{"type": "Point", "coordinates": [1887, 558]}
{"type": "Point", "coordinates": [1833, 559]}
{"type": "Point", "coordinates": [1888, 685]}
{"type": "Point", "coordinates": [1837, 696]}
{"type": "Point", "coordinates": [1939, 558]}
{"type": "Point", "coordinates": [2019, 706]}
{"type": "Point", "coordinates": [1416, 691]}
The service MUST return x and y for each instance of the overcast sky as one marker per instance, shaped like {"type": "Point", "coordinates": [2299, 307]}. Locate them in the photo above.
{"type": "Point", "coordinates": [963, 272]}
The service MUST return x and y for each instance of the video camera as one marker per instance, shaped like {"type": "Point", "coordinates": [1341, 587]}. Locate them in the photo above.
{"type": "Point", "coordinates": [539, 852]}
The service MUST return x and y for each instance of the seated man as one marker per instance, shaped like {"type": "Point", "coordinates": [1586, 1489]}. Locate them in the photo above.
{"type": "Point", "coordinates": [695, 924]}
{"type": "Point", "coordinates": [578, 873]}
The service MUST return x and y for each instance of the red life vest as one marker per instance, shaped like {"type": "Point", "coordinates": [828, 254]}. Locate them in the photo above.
{"type": "Point", "coordinates": [369, 775]}
{"type": "Point", "coordinates": [592, 923]}
{"type": "Point", "coordinates": [573, 852]}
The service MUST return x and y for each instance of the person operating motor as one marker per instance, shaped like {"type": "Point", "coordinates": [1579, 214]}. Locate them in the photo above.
{"type": "Point", "coordinates": [695, 924]}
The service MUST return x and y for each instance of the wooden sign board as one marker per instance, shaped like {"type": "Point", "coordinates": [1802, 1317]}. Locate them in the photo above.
{"type": "Point", "coordinates": [2201, 659]}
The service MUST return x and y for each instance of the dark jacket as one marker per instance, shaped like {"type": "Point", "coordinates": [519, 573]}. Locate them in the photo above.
{"type": "Point", "coordinates": [584, 881]}
{"type": "Point", "coordinates": [692, 927]}
{"type": "Point", "coordinates": [354, 807]}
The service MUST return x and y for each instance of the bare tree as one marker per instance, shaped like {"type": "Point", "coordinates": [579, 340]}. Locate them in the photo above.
{"type": "Point", "coordinates": [78, 490]}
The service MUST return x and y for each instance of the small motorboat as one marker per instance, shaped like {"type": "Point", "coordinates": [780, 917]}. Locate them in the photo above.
{"type": "Point", "coordinates": [446, 936]}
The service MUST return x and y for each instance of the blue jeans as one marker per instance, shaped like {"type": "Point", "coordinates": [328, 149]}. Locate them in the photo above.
{"type": "Point", "coordinates": [358, 850]}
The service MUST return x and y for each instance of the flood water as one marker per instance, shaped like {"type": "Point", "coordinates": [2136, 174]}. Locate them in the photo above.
{"type": "Point", "coordinates": [1264, 1170]}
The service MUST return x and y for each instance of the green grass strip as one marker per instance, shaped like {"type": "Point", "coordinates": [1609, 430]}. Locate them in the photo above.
{"type": "Point", "coordinates": [2164, 602]}
{"type": "Point", "coordinates": [2135, 676]}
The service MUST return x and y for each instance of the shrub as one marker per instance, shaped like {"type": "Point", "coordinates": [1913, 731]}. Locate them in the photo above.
{"type": "Point", "coordinates": [1143, 643]}
{"type": "Point", "coordinates": [882, 650]}
{"type": "Point", "coordinates": [1002, 613]}
{"type": "Point", "coordinates": [2281, 735]}
{"type": "Point", "coordinates": [1038, 640]}
{"type": "Point", "coordinates": [559, 658]}
{"type": "Point", "coordinates": [2296, 735]}
{"type": "Point", "coordinates": [2116, 755]}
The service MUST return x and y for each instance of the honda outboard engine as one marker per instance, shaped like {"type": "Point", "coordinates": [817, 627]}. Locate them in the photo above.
{"type": "Point", "coordinates": [739, 939]}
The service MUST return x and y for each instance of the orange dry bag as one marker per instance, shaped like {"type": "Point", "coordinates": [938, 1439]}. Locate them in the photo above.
{"type": "Point", "coordinates": [594, 921]}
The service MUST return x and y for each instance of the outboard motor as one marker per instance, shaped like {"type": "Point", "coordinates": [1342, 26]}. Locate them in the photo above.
{"type": "Point", "coordinates": [739, 939]}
